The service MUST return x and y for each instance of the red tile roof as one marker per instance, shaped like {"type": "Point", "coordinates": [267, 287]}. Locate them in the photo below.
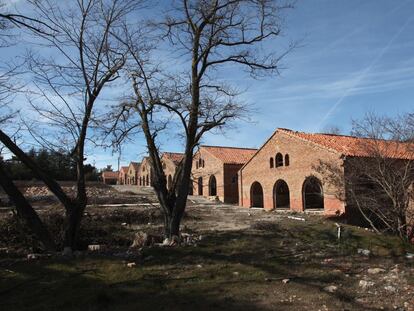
{"type": "Point", "coordinates": [124, 169]}
{"type": "Point", "coordinates": [230, 155]}
{"type": "Point", "coordinates": [356, 146]}
{"type": "Point", "coordinates": [110, 175]}
{"type": "Point", "coordinates": [174, 156]}
{"type": "Point", "coordinates": [135, 165]}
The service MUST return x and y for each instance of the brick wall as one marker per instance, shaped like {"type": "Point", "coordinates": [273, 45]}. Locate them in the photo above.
{"type": "Point", "coordinates": [303, 156]}
{"type": "Point", "coordinates": [144, 174]}
{"type": "Point", "coordinates": [231, 189]}
{"type": "Point", "coordinates": [212, 167]}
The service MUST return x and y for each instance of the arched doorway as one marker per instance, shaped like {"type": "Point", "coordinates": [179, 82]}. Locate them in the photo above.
{"type": "Point", "coordinates": [212, 186]}
{"type": "Point", "coordinates": [256, 195]}
{"type": "Point", "coordinates": [281, 195]}
{"type": "Point", "coordinates": [200, 186]}
{"type": "Point", "coordinates": [312, 193]}
{"type": "Point", "coordinates": [169, 182]}
{"type": "Point", "coordinates": [147, 181]}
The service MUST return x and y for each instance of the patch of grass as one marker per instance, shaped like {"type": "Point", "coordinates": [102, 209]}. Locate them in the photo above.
{"type": "Point", "coordinates": [238, 270]}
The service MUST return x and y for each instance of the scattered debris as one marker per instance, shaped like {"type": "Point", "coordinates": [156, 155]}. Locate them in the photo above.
{"type": "Point", "coordinates": [296, 218]}
{"type": "Point", "coordinates": [285, 281]}
{"type": "Point", "coordinates": [364, 252]}
{"type": "Point", "coordinates": [409, 256]}
{"type": "Point", "coordinates": [375, 270]}
{"type": "Point", "coordinates": [366, 284]}
{"type": "Point", "coordinates": [95, 248]}
{"type": "Point", "coordinates": [331, 289]}
{"type": "Point", "coordinates": [390, 288]}
{"type": "Point", "coordinates": [131, 264]}
{"type": "Point", "coordinates": [32, 256]}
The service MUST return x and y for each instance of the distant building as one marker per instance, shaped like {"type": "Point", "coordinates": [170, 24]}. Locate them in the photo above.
{"type": "Point", "coordinates": [110, 178]}
{"type": "Point", "coordinates": [215, 170]}
{"type": "Point", "coordinates": [170, 161]}
{"type": "Point", "coordinates": [123, 175]}
{"type": "Point", "coordinates": [132, 175]}
{"type": "Point", "coordinates": [145, 173]}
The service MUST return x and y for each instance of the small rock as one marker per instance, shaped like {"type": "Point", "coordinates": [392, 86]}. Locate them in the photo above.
{"type": "Point", "coordinates": [375, 270]}
{"type": "Point", "coordinates": [391, 289]}
{"type": "Point", "coordinates": [331, 289]}
{"type": "Point", "coordinates": [141, 239]}
{"type": "Point", "coordinates": [364, 252]}
{"type": "Point", "coordinates": [236, 273]}
{"type": "Point", "coordinates": [365, 284]}
{"type": "Point", "coordinates": [285, 281]}
{"type": "Point", "coordinates": [199, 266]}
{"type": "Point", "coordinates": [131, 264]}
{"type": "Point", "coordinates": [124, 224]}
{"type": "Point", "coordinates": [32, 256]}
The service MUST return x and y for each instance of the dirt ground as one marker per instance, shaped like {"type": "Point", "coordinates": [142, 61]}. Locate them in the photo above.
{"type": "Point", "coordinates": [238, 259]}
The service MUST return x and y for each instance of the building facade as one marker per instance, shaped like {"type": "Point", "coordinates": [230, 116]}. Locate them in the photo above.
{"type": "Point", "coordinates": [170, 161]}
{"type": "Point", "coordinates": [110, 178]}
{"type": "Point", "coordinates": [145, 173]}
{"type": "Point", "coordinates": [132, 176]}
{"type": "Point", "coordinates": [281, 175]}
{"type": "Point", "coordinates": [214, 172]}
{"type": "Point", "coordinates": [123, 173]}
{"type": "Point", "coordinates": [289, 171]}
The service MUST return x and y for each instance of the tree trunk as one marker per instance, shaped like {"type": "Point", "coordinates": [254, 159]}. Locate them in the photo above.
{"type": "Point", "coordinates": [75, 214]}
{"type": "Point", "coordinates": [172, 225]}
{"type": "Point", "coordinates": [25, 211]}
{"type": "Point", "coordinates": [72, 226]}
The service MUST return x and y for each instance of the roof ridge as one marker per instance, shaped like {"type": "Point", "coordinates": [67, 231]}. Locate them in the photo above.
{"type": "Point", "coordinates": [340, 135]}
{"type": "Point", "coordinates": [228, 147]}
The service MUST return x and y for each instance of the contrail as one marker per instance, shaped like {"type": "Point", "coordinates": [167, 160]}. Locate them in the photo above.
{"type": "Point", "coordinates": [363, 74]}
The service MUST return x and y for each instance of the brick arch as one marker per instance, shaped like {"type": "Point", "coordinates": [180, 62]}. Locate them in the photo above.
{"type": "Point", "coordinates": [281, 194]}
{"type": "Point", "coordinates": [212, 186]}
{"type": "Point", "coordinates": [256, 195]}
{"type": "Point", "coordinates": [278, 160]}
{"type": "Point", "coordinates": [200, 186]}
{"type": "Point", "coordinates": [312, 193]}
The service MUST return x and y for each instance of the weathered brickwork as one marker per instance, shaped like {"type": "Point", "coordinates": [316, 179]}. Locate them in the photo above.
{"type": "Point", "coordinates": [123, 173]}
{"type": "Point", "coordinates": [145, 173]}
{"type": "Point", "coordinates": [303, 157]}
{"type": "Point", "coordinates": [170, 162]}
{"type": "Point", "coordinates": [133, 173]}
{"type": "Point", "coordinates": [205, 168]}
{"type": "Point", "coordinates": [215, 171]}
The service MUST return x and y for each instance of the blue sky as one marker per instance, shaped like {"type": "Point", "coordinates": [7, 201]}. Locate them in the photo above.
{"type": "Point", "coordinates": [355, 57]}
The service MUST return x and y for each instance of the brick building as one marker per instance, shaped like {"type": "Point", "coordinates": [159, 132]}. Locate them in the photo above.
{"type": "Point", "coordinates": [123, 173]}
{"type": "Point", "coordinates": [133, 173]}
{"type": "Point", "coordinates": [145, 173]}
{"type": "Point", "coordinates": [215, 171]}
{"type": "Point", "coordinates": [170, 161]}
{"type": "Point", "coordinates": [283, 174]}
{"type": "Point", "coordinates": [109, 177]}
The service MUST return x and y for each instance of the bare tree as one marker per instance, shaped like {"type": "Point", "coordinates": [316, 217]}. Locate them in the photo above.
{"type": "Point", "coordinates": [88, 56]}
{"type": "Point", "coordinates": [378, 183]}
{"type": "Point", "coordinates": [208, 34]}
